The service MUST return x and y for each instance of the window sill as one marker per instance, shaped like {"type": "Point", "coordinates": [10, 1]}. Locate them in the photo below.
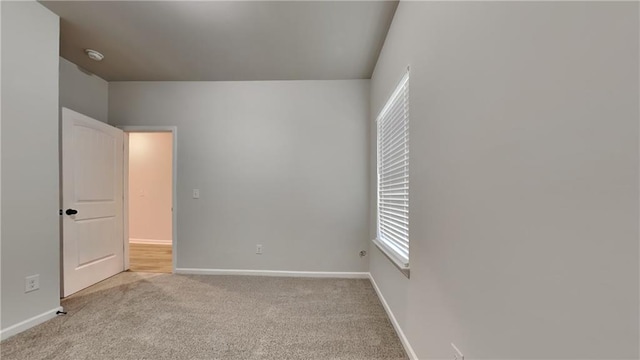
{"type": "Point", "coordinates": [404, 268]}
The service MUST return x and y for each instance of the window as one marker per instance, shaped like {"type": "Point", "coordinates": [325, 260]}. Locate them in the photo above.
{"type": "Point", "coordinates": [393, 176]}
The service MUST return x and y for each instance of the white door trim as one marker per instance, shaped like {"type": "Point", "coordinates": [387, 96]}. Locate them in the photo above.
{"type": "Point", "coordinates": [125, 199]}
{"type": "Point", "coordinates": [174, 131]}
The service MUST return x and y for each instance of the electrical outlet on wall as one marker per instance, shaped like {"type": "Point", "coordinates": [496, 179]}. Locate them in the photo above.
{"type": "Point", "coordinates": [457, 354]}
{"type": "Point", "coordinates": [32, 283]}
{"type": "Point", "coordinates": [258, 249]}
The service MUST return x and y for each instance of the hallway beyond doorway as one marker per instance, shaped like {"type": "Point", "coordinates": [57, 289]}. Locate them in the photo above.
{"type": "Point", "coordinates": [150, 198]}
{"type": "Point", "coordinates": [150, 258]}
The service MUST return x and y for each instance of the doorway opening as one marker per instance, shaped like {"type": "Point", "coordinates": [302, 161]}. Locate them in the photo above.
{"type": "Point", "coordinates": [149, 197]}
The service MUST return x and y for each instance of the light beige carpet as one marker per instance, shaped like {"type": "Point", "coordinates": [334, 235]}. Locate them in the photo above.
{"type": "Point", "coordinates": [164, 316]}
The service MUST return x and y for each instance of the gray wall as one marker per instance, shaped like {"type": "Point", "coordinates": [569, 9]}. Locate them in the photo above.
{"type": "Point", "coordinates": [83, 92]}
{"type": "Point", "coordinates": [524, 178]}
{"type": "Point", "coordinates": [30, 228]}
{"type": "Point", "coordinates": [278, 163]}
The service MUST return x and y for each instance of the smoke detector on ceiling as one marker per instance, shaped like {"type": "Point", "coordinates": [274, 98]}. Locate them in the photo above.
{"type": "Point", "coordinates": [94, 55]}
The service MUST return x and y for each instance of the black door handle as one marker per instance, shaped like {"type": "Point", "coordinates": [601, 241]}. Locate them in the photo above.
{"type": "Point", "coordinates": [71, 211]}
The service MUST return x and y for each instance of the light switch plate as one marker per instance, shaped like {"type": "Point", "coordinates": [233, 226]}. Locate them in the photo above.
{"type": "Point", "coordinates": [196, 193]}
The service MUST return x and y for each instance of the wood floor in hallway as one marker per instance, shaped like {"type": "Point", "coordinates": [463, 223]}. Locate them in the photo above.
{"type": "Point", "coordinates": [150, 258]}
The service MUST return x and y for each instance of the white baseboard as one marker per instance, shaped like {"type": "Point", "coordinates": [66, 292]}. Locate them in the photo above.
{"type": "Point", "coordinates": [149, 241]}
{"type": "Point", "coordinates": [403, 339]}
{"type": "Point", "coordinates": [313, 274]}
{"type": "Point", "coordinates": [29, 323]}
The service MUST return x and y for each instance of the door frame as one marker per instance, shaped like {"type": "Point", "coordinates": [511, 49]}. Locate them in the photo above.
{"type": "Point", "coordinates": [174, 171]}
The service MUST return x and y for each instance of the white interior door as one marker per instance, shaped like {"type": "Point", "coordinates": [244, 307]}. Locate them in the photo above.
{"type": "Point", "coordinates": [92, 192]}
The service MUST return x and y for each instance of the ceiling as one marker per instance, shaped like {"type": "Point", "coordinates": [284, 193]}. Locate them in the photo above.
{"type": "Point", "coordinates": [224, 40]}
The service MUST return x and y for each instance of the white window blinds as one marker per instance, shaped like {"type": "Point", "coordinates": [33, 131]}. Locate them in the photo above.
{"type": "Point", "coordinates": [393, 174]}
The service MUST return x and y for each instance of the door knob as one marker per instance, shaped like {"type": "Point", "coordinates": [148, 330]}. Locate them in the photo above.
{"type": "Point", "coordinates": [71, 211]}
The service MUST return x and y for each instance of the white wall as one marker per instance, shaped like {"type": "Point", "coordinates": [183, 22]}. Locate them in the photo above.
{"type": "Point", "coordinates": [524, 178]}
{"type": "Point", "coordinates": [278, 163]}
{"type": "Point", "coordinates": [150, 187]}
{"type": "Point", "coordinates": [30, 228]}
{"type": "Point", "coordinates": [83, 92]}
